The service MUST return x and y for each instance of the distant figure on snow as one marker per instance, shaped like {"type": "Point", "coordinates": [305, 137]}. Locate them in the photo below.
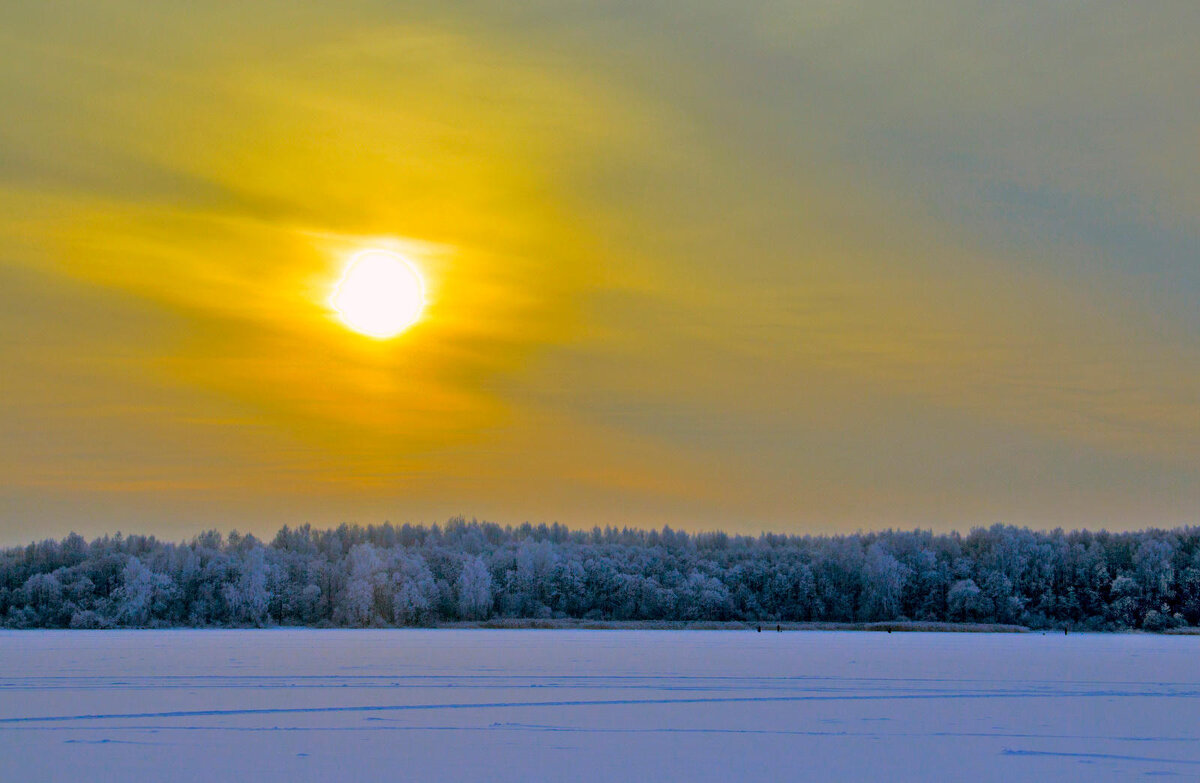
{"type": "Point", "coordinates": [760, 628]}
{"type": "Point", "coordinates": [779, 628]}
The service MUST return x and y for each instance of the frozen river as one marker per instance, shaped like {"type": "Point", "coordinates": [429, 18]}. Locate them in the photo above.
{"type": "Point", "coordinates": [282, 705]}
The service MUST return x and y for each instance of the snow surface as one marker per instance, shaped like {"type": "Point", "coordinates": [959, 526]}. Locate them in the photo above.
{"type": "Point", "coordinates": [282, 705]}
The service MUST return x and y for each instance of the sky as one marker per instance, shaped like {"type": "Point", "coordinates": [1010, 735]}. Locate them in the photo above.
{"type": "Point", "coordinates": [800, 267]}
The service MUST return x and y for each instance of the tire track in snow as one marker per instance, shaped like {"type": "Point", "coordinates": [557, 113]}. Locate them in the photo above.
{"type": "Point", "coordinates": [583, 703]}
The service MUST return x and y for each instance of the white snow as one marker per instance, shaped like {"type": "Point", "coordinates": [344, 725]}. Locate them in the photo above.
{"type": "Point", "coordinates": [282, 705]}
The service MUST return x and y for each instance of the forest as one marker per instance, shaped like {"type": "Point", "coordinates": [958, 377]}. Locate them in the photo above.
{"type": "Point", "coordinates": [413, 575]}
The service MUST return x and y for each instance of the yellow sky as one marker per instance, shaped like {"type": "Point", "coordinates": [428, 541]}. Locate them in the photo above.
{"type": "Point", "coordinates": [752, 266]}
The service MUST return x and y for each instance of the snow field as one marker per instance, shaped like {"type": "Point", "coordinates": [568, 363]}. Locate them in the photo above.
{"type": "Point", "coordinates": [299, 704]}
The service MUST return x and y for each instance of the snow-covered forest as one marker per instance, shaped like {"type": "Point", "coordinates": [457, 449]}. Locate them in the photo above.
{"type": "Point", "coordinates": [415, 575]}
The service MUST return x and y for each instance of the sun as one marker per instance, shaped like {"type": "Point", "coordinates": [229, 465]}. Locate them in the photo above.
{"type": "Point", "coordinates": [380, 294]}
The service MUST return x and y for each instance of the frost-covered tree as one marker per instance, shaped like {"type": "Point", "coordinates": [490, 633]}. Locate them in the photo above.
{"type": "Point", "coordinates": [248, 598]}
{"type": "Point", "coordinates": [883, 582]}
{"type": "Point", "coordinates": [416, 591]}
{"type": "Point", "coordinates": [474, 590]}
{"type": "Point", "coordinates": [143, 593]}
{"type": "Point", "coordinates": [965, 600]}
{"type": "Point", "coordinates": [357, 604]}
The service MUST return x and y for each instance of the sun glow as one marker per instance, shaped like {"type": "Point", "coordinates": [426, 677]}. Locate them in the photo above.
{"type": "Point", "coordinates": [380, 294]}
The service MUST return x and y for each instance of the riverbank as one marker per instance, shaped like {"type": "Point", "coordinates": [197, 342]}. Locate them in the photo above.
{"type": "Point", "coordinates": [513, 624]}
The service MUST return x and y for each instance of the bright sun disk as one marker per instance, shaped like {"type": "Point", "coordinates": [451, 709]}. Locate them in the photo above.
{"type": "Point", "coordinates": [380, 294]}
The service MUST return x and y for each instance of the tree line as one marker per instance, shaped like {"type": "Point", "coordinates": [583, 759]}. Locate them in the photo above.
{"type": "Point", "coordinates": [388, 575]}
